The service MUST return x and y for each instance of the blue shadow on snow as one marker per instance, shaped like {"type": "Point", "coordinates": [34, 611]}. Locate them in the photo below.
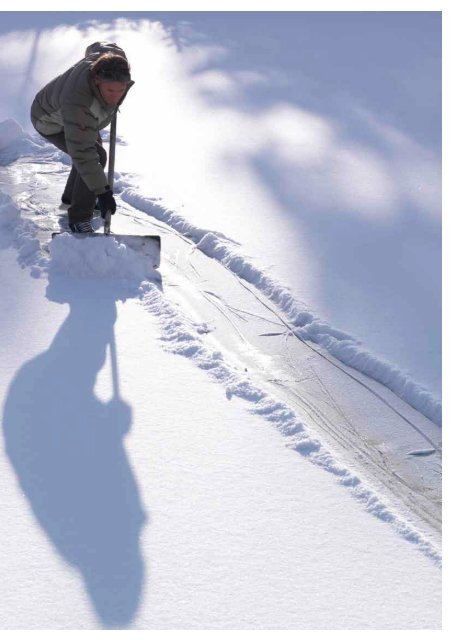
{"type": "Point", "coordinates": [66, 447]}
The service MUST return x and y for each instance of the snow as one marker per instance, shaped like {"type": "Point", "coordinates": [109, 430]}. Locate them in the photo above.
{"type": "Point", "coordinates": [98, 257]}
{"type": "Point", "coordinates": [342, 345]}
{"type": "Point", "coordinates": [225, 540]}
{"type": "Point", "coordinates": [9, 212]}
{"type": "Point", "coordinates": [160, 469]}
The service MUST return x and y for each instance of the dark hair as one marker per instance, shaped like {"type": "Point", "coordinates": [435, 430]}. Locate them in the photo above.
{"type": "Point", "coordinates": [111, 66]}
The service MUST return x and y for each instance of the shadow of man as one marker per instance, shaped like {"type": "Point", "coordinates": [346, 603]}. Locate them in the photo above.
{"type": "Point", "coordinates": [66, 447]}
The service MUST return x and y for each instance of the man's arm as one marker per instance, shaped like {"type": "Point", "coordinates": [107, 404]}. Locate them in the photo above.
{"type": "Point", "coordinates": [81, 133]}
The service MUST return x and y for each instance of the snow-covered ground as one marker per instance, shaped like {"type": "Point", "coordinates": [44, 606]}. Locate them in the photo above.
{"type": "Point", "coordinates": [298, 136]}
{"type": "Point", "coordinates": [283, 474]}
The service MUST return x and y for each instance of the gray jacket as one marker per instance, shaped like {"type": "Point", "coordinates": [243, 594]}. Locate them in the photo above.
{"type": "Point", "coordinates": [71, 103]}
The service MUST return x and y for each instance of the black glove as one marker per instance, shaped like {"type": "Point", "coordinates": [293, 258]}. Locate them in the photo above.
{"type": "Point", "coordinates": [107, 202]}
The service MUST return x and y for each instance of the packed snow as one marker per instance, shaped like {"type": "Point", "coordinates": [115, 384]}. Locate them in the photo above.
{"type": "Point", "coordinates": [98, 257]}
{"type": "Point", "coordinates": [154, 491]}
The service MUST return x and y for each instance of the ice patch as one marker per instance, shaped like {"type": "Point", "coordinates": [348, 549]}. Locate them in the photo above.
{"type": "Point", "coordinates": [422, 453]}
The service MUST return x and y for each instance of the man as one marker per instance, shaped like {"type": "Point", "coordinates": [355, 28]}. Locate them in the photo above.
{"type": "Point", "coordinates": [70, 111]}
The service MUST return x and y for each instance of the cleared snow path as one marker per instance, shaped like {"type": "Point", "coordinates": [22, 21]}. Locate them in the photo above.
{"type": "Point", "coordinates": [300, 387]}
{"type": "Point", "coordinates": [227, 528]}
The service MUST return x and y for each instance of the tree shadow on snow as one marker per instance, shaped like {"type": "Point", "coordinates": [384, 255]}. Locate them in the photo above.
{"type": "Point", "coordinates": [67, 449]}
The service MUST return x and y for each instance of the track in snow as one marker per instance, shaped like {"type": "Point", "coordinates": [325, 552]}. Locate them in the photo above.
{"type": "Point", "coordinates": [368, 428]}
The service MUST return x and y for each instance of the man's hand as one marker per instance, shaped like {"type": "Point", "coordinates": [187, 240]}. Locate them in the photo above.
{"type": "Point", "coordinates": [107, 203]}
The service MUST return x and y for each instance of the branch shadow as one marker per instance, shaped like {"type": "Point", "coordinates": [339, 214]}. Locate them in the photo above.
{"type": "Point", "coordinates": [66, 447]}
{"type": "Point", "coordinates": [21, 106]}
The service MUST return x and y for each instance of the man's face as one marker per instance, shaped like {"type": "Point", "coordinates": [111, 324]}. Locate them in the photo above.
{"type": "Point", "coordinates": [111, 91]}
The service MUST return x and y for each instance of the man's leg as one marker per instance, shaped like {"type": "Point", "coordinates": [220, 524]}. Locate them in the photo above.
{"type": "Point", "coordinates": [59, 141]}
{"type": "Point", "coordinates": [82, 199]}
{"type": "Point", "coordinates": [67, 193]}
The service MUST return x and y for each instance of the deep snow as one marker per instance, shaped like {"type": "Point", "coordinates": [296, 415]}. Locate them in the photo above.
{"type": "Point", "coordinates": [188, 514]}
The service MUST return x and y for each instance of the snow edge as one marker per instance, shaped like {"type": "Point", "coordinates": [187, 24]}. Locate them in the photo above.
{"type": "Point", "coordinates": [346, 348]}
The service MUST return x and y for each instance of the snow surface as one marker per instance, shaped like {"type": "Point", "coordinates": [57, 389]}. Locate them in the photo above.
{"type": "Point", "coordinates": [98, 257]}
{"type": "Point", "coordinates": [150, 507]}
{"type": "Point", "coordinates": [334, 192]}
{"type": "Point", "coordinates": [342, 345]}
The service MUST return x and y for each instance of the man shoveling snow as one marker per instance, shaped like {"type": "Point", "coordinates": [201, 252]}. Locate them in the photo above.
{"type": "Point", "coordinates": [70, 111]}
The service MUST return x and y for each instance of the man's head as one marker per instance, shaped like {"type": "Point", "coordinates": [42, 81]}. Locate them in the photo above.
{"type": "Point", "coordinates": [111, 73]}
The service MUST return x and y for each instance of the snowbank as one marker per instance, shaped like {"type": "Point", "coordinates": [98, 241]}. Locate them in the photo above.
{"type": "Point", "coordinates": [14, 142]}
{"type": "Point", "coordinates": [304, 323]}
{"type": "Point", "coordinates": [9, 212]}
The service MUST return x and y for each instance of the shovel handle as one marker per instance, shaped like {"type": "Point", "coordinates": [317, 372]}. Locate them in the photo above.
{"type": "Point", "coordinates": [111, 171]}
{"type": "Point", "coordinates": [107, 219]}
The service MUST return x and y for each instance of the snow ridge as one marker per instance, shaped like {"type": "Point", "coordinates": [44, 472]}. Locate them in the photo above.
{"type": "Point", "coordinates": [307, 326]}
{"type": "Point", "coordinates": [171, 218]}
{"type": "Point", "coordinates": [182, 337]}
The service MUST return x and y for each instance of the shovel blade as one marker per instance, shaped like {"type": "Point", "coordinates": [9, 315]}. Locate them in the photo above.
{"type": "Point", "coordinates": [146, 245]}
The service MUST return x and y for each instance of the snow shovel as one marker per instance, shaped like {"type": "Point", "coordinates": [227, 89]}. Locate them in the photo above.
{"type": "Point", "coordinates": [147, 244]}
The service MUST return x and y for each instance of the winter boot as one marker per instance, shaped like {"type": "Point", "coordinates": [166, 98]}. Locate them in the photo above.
{"type": "Point", "coordinates": [81, 227]}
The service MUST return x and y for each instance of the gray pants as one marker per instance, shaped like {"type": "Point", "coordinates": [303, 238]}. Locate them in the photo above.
{"type": "Point", "coordinates": [76, 191]}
